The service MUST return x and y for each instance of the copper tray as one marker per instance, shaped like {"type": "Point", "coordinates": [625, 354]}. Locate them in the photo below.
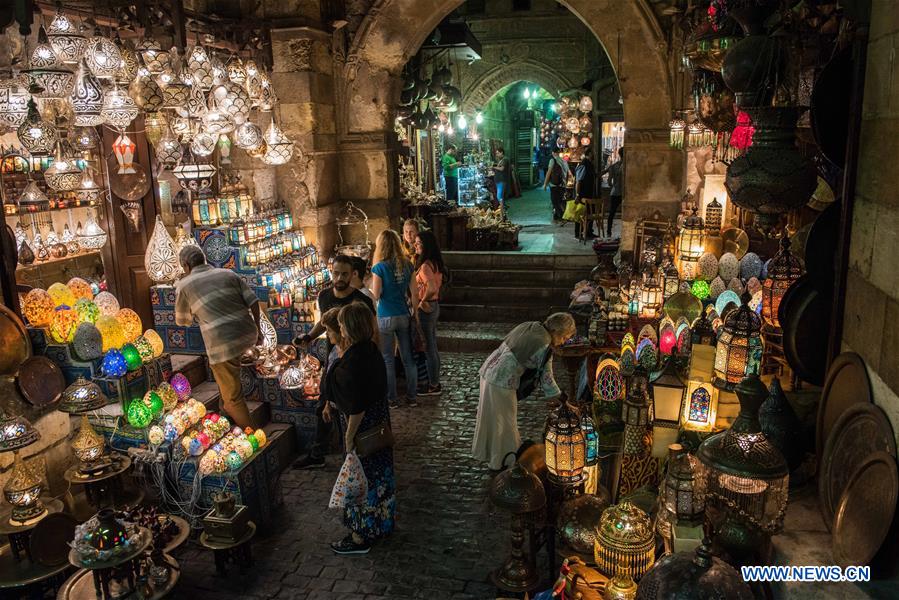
{"type": "Point", "coordinates": [735, 241]}
{"type": "Point", "coordinates": [865, 511]}
{"type": "Point", "coordinates": [41, 381]}
{"type": "Point", "coordinates": [847, 384]}
{"type": "Point", "coordinates": [15, 343]}
{"type": "Point", "coordinates": [50, 539]}
{"type": "Point", "coordinates": [861, 431]}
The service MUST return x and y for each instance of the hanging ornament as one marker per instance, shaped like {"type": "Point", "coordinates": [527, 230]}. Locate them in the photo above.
{"type": "Point", "coordinates": [35, 134]}
{"type": "Point", "coordinates": [84, 138]}
{"type": "Point", "coordinates": [63, 175]}
{"type": "Point", "coordinates": [219, 72]}
{"type": "Point", "coordinates": [216, 121]}
{"type": "Point", "coordinates": [118, 109]}
{"type": "Point", "coordinates": [133, 213]}
{"type": "Point", "coordinates": [168, 150]}
{"type": "Point", "coordinates": [155, 125]}
{"type": "Point", "coordinates": [200, 67]}
{"type": "Point", "coordinates": [88, 191]}
{"type": "Point", "coordinates": [154, 56]}
{"type": "Point", "coordinates": [127, 70]}
{"type": "Point", "coordinates": [236, 72]}
{"type": "Point", "coordinates": [196, 100]}
{"type": "Point", "coordinates": [192, 174]}
{"type": "Point", "coordinates": [267, 99]}
{"type": "Point", "coordinates": [182, 127]}
{"type": "Point", "coordinates": [86, 98]}
{"type": "Point", "coordinates": [279, 148]}
{"type": "Point", "coordinates": [248, 136]}
{"type": "Point", "coordinates": [32, 196]}
{"type": "Point", "coordinates": [253, 81]}
{"type": "Point", "coordinates": [175, 94]}
{"type": "Point", "coordinates": [102, 56]}
{"type": "Point", "coordinates": [161, 259]}
{"type": "Point", "coordinates": [123, 148]}
{"type": "Point", "coordinates": [203, 144]}
{"type": "Point", "coordinates": [65, 39]}
{"type": "Point", "coordinates": [13, 102]}
{"type": "Point", "coordinates": [92, 236]}
{"type": "Point", "coordinates": [47, 72]}
{"type": "Point", "coordinates": [146, 92]}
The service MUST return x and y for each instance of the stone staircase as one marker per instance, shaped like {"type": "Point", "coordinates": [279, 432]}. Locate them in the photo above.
{"type": "Point", "coordinates": [491, 292]}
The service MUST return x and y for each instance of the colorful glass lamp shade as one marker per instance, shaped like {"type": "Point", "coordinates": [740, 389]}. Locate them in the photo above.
{"type": "Point", "coordinates": [565, 447]}
{"type": "Point", "coordinates": [132, 357]}
{"type": "Point", "coordinates": [591, 439]}
{"type": "Point", "coordinates": [746, 475]}
{"type": "Point", "coordinates": [63, 325]}
{"type": "Point", "coordinates": [700, 406]}
{"type": "Point", "coordinates": [155, 342]}
{"type": "Point", "coordinates": [16, 433]}
{"type": "Point", "coordinates": [181, 385]}
{"type": "Point", "coordinates": [38, 307]}
{"type": "Point", "coordinates": [738, 352]}
{"type": "Point", "coordinates": [114, 364]}
{"type": "Point", "coordinates": [139, 415]}
{"type": "Point", "coordinates": [783, 270]}
{"type": "Point", "coordinates": [81, 397]}
{"type": "Point", "coordinates": [154, 401]}
{"type": "Point", "coordinates": [130, 323]}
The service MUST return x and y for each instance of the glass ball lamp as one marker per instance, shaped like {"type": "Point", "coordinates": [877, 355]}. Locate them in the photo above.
{"type": "Point", "coordinates": [738, 352]}
{"type": "Point", "coordinates": [291, 378]}
{"type": "Point", "coordinates": [746, 475]}
{"type": "Point", "coordinates": [783, 270]}
{"type": "Point", "coordinates": [565, 446]}
{"type": "Point", "coordinates": [23, 488]}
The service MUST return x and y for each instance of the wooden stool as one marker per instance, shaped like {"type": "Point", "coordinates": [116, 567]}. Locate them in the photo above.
{"type": "Point", "coordinates": [237, 552]}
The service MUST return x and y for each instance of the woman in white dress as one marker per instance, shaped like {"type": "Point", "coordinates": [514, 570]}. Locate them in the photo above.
{"type": "Point", "coordinates": [527, 347]}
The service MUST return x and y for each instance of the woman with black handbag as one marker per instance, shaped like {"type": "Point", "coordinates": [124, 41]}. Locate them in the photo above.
{"type": "Point", "coordinates": [512, 372]}
{"type": "Point", "coordinates": [357, 385]}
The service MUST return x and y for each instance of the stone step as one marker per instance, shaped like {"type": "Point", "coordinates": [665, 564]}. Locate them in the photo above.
{"type": "Point", "coordinates": [208, 393]}
{"type": "Point", "coordinates": [454, 336]}
{"type": "Point", "coordinates": [494, 313]}
{"type": "Point", "coordinates": [193, 366]}
{"type": "Point", "coordinates": [505, 295]}
{"type": "Point", "coordinates": [525, 278]}
{"type": "Point", "coordinates": [518, 260]}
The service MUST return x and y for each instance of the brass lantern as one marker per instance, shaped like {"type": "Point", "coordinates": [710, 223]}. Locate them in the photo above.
{"type": "Point", "coordinates": [693, 575]}
{"type": "Point", "coordinates": [690, 245]}
{"type": "Point", "coordinates": [566, 448]}
{"type": "Point", "coordinates": [714, 213]}
{"type": "Point", "coordinates": [23, 488]}
{"type": "Point", "coordinates": [671, 279]}
{"type": "Point", "coordinates": [88, 446]}
{"type": "Point", "coordinates": [783, 270]}
{"type": "Point", "coordinates": [738, 352]}
{"type": "Point", "coordinates": [520, 492]}
{"type": "Point", "coordinates": [650, 297]}
{"type": "Point", "coordinates": [81, 397]}
{"type": "Point", "coordinates": [625, 541]}
{"type": "Point", "coordinates": [683, 493]}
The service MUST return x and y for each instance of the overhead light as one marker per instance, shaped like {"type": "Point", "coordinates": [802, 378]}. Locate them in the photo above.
{"type": "Point", "coordinates": [462, 122]}
{"type": "Point", "coordinates": [479, 118]}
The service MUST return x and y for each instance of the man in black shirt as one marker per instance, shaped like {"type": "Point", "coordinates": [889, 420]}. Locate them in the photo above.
{"type": "Point", "coordinates": [339, 294]}
{"type": "Point", "coordinates": [584, 188]}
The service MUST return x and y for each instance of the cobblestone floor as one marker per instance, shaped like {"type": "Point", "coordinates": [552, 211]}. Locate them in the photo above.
{"type": "Point", "coordinates": [447, 539]}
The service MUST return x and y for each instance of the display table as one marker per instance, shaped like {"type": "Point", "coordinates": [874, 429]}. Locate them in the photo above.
{"type": "Point", "coordinates": [19, 535]}
{"type": "Point", "coordinates": [238, 553]}
{"type": "Point", "coordinates": [80, 586]}
{"type": "Point", "coordinates": [105, 489]}
{"type": "Point", "coordinates": [22, 575]}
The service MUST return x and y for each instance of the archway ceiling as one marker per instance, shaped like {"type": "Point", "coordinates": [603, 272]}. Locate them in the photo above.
{"type": "Point", "coordinates": [503, 76]}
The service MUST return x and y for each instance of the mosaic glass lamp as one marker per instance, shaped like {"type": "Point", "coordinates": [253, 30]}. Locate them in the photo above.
{"type": "Point", "coordinates": [591, 440]}
{"type": "Point", "coordinates": [690, 245]}
{"type": "Point", "coordinates": [36, 134]}
{"type": "Point", "coordinates": [139, 415]}
{"type": "Point", "coordinates": [181, 385]}
{"type": "Point", "coordinates": [565, 447]}
{"type": "Point", "coordinates": [81, 397]}
{"type": "Point", "coordinates": [16, 433]}
{"type": "Point", "coordinates": [130, 323]}
{"type": "Point", "coordinates": [738, 352]}
{"type": "Point", "coordinates": [783, 270]}
{"type": "Point", "coordinates": [700, 406]}
{"type": "Point", "coordinates": [114, 364]}
{"type": "Point", "coordinates": [625, 541]}
{"type": "Point", "coordinates": [132, 357]}
{"type": "Point", "coordinates": [746, 475]}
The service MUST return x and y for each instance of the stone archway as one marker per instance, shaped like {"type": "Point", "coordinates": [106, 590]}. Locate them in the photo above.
{"type": "Point", "coordinates": [487, 85]}
{"type": "Point", "coordinates": [368, 85]}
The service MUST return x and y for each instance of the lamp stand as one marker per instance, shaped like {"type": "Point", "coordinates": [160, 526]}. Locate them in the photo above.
{"type": "Point", "coordinates": [23, 491]}
{"type": "Point", "coordinates": [517, 574]}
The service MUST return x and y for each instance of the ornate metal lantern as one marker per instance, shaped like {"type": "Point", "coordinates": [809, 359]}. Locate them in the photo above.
{"type": "Point", "coordinates": [698, 576]}
{"type": "Point", "coordinates": [684, 488]}
{"type": "Point", "coordinates": [566, 451]}
{"type": "Point", "coordinates": [88, 446]}
{"type": "Point", "coordinates": [23, 488]}
{"type": "Point", "coordinates": [714, 214]}
{"type": "Point", "coordinates": [64, 37]}
{"type": "Point", "coordinates": [746, 474]}
{"type": "Point", "coordinates": [102, 56]}
{"type": "Point", "coordinates": [667, 393]}
{"type": "Point", "coordinates": [49, 77]}
{"type": "Point", "coordinates": [671, 279]}
{"type": "Point", "coordinates": [650, 297]}
{"type": "Point", "coordinates": [63, 175]}
{"type": "Point", "coordinates": [781, 425]}
{"type": "Point", "coordinates": [81, 397]}
{"type": "Point", "coordinates": [192, 174]}
{"type": "Point", "coordinates": [279, 148]}
{"type": "Point", "coordinates": [783, 270]}
{"type": "Point", "coordinates": [118, 109]}
{"type": "Point", "coordinates": [521, 493]}
{"type": "Point", "coordinates": [87, 98]}
{"type": "Point", "coordinates": [690, 245]}
{"type": "Point", "coordinates": [625, 541]}
{"type": "Point", "coordinates": [13, 102]}
{"type": "Point", "coordinates": [739, 349]}
{"type": "Point", "coordinates": [37, 135]}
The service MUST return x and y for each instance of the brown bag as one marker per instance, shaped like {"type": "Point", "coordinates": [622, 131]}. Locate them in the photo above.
{"type": "Point", "coordinates": [373, 440]}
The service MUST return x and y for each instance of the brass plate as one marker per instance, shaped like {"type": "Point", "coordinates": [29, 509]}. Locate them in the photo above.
{"type": "Point", "coordinates": [865, 511]}
{"type": "Point", "coordinates": [15, 343]}
{"type": "Point", "coordinates": [41, 381]}
{"type": "Point", "coordinates": [822, 197]}
{"type": "Point", "coordinates": [735, 241]}
{"type": "Point", "coordinates": [50, 539]}
{"type": "Point", "coordinates": [847, 383]}
{"type": "Point", "coordinates": [861, 431]}
{"type": "Point", "coordinates": [683, 304]}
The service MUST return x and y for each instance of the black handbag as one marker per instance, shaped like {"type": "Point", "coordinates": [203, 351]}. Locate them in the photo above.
{"type": "Point", "coordinates": [374, 439]}
{"type": "Point", "coordinates": [527, 383]}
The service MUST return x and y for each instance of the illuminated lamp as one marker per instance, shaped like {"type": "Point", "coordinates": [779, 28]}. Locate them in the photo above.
{"type": "Point", "coordinates": [700, 406]}
{"type": "Point", "coordinates": [139, 415]}
{"type": "Point", "coordinates": [650, 298]}
{"type": "Point", "coordinates": [119, 109]}
{"type": "Point", "coordinates": [714, 213]}
{"type": "Point", "coordinates": [130, 323]}
{"type": "Point", "coordinates": [154, 402]}
{"type": "Point", "coordinates": [161, 260]}
{"type": "Point", "coordinates": [170, 397]}
{"type": "Point", "coordinates": [79, 287]}
{"type": "Point", "coordinates": [67, 42]}
{"type": "Point", "coordinates": [123, 149]}
{"type": "Point", "coordinates": [738, 352]}
{"type": "Point", "coordinates": [87, 98]}
{"type": "Point", "coordinates": [667, 336]}
{"type": "Point", "coordinates": [37, 308]}
{"type": "Point", "coordinates": [107, 304]}
{"type": "Point", "coordinates": [111, 330]}
{"type": "Point", "coordinates": [155, 342]}
{"type": "Point", "coordinates": [181, 385]}
{"type": "Point", "coordinates": [37, 135]}
{"type": "Point", "coordinates": [671, 280]}
{"type": "Point", "coordinates": [667, 392]}
{"type": "Point", "coordinates": [279, 149]}
{"type": "Point", "coordinates": [625, 541]}
{"type": "Point", "coordinates": [565, 447]}
{"type": "Point", "coordinates": [49, 77]}
{"type": "Point", "coordinates": [81, 397]}
{"type": "Point", "coordinates": [23, 491]}
{"type": "Point", "coordinates": [700, 289]}
{"type": "Point", "coordinates": [114, 364]}
{"type": "Point", "coordinates": [102, 56]}
{"type": "Point", "coordinates": [683, 492]}
{"type": "Point", "coordinates": [132, 357]}
{"type": "Point", "coordinates": [783, 270]}
{"type": "Point", "coordinates": [88, 445]}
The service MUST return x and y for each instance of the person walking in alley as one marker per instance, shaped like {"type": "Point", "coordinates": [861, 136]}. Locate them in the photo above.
{"type": "Point", "coordinates": [616, 188]}
{"type": "Point", "coordinates": [556, 178]}
{"type": "Point", "coordinates": [429, 275]}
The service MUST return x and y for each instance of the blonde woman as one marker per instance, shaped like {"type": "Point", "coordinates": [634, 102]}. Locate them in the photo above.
{"type": "Point", "coordinates": [392, 284]}
{"type": "Point", "coordinates": [522, 361]}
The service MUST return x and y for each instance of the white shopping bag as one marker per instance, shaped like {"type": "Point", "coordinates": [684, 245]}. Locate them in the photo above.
{"type": "Point", "coordinates": [351, 486]}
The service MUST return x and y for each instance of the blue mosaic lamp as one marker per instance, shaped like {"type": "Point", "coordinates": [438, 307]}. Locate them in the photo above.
{"type": "Point", "coordinates": [114, 364]}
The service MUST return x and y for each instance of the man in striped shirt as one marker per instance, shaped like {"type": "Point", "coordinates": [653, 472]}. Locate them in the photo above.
{"type": "Point", "coordinates": [228, 314]}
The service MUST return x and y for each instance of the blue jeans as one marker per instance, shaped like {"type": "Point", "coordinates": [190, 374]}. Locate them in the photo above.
{"type": "Point", "coordinates": [397, 328]}
{"type": "Point", "coordinates": [501, 191]}
{"type": "Point", "coordinates": [429, 327]}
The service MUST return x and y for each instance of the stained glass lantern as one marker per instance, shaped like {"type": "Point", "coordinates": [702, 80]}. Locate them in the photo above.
{"type": "Point", "coordinates": [23, 491]}
{"type": "Point", "coordinates": [565, 445]}
{"type": "Point", "coordinates": [279, 148]}
{"type": "Point", "coordinates": [738, 352]}
{"type": "Point", "coordinates": [154, 402]}
{"type": "Point", "coordinates": [87, 98]}
{"type": "Point", "coordinates": [650, 298]}
{"type": "Point", "coordinates": [63, 175]}
{"type": "Point", "coordinates": [102, 56]}
{"type": "Point", "coordinates": [48, 75]}
{"type": "Point", "coordinates": [119, 109]}
{"type": "Point", "coordinates": [37, 307]}
{"type": "Point", "coordinates": [783, 270]}
{"type": "Point", "coordinates": [667, 392]}
{"type": "Point", "coordinates": [181, 385]}
{"type": "Point", "coordinates": [107, 304]}
{"type": "Point", "coordinates": [625, 541]}
{"type": "Point", "coordinates": [204, 209]}
{"type": "Point", "coordinates": [746, 475]}
{"type": "Point", "coordinates": [114, 364]}
{"type": "Point", "coordinates": [591, 440]}
{"type": "Point", "coordinates": [714, 214]}
{"type": "Point", "coordinates": [130, 323]}
{"type": "Point", "coordinates": [690, 245]}
{"type": "Point", "coordinates": [684, 487]}
{"type": "Point", "coordinates": [66, 40]}
{"type": "Point", "coordinates": [113, 336]}
{"type": "Point", "coordinates": [144, 348]}
{"type": "Point", "coordinates": [700, 289]}
{"type": "Point", "coordinates": [155, 342]}
{"type": "Point", "coordinates": [14, 102]}
{"type": "Point", "coordinates": [123, 149]}
{"type": "Point", "coordinates": [139, 415]}
{"type": "Point", "coordinates": [192, 174]}
{"type": "Point", "coordinates": [161, 260]}
{"type": "Point", "coordinates": [82, 397]}
{"type": "Point", "coordinates": [132, 357]}
{"type": "Point", "coordinates": [36, 134]}
{"type": "Point", "coordinates": [700, 406]}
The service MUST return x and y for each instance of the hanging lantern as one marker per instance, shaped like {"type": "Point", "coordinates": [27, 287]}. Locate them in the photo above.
{"type": "Point", "coordinates": [279, 148]}
{"type": "Point", "coordinates": [35, 134]}
{"type": "Point", "coordinates": [783, 270]}
{"type": "Point", "coordinates": [86, 98]}
{"type": "Point", "coordinates": [690, 245]}
{"type": "Point", "coordinates": [92, 235]}
{"type": "Point", "coordinates": [565, 447]}
{"type": "Point", "coordinates": [232, 98]}
{"type": "Point", "coordinates": [168, 150]}
{"type": "Point", "coordinates": [193, 175]}
{"type": "Point", "coordinates": [64, 37]}
{"type": "Point", "coordinates": [161, 260]}
{"type": "Point", "coordinates": [676, 128]}
{"type": "Point", "coordinates": [46, 72]}
{"type": "Point", "coordinates": [146, 92]}
{"type": "Point", "coordinates": [123, 148]}
{"type": "Point", "coordinates": [216, 121]}
{"type": "Point", "coordinates": [714, 213]}
{"type": "Point", "coordinates": [156, 125]}
{"type": "Point", "coordinates": [625, 541]}
{"type": "Point", "coordinates": [175, 95]}
{"type": "Point", "coordinates": [13, 102]}
{"type": "Point", "coordinates": [236, 72]}
{"type": "Point", "coordinates": [203, 144]}
{"type": "Point", "coordinates": [266, 99]}
{"type": "Point", "coordinates": [118, 109]}
{"type": "Point", "coordinates": [248, 136]}
{"type": "Point", "coordinates": [651, 297]}
{"type": "Point", "coordinates": [84, 138]}
{"type": "Point", "coordinates": [102, 56]}
{"type": "Point", "coordinates": [200, 67]}
{"type": "Point", "coordinates": [204, 209]}
{"type": "Point", "coordinates": [738, 353]}
{"type": "Point", "coordinates": [128, 68]}
{"type": "Point", "coordinates": [63, 175]}
{"type": "Point", "coordinates": [155, 58]}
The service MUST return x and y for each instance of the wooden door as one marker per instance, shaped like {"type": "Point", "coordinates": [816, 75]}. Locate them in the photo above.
{"type": "Point", "coordinates": [126, 275]}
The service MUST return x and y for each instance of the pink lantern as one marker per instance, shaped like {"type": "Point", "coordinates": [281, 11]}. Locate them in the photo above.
{"type": "Point", "coordinates": [123, 148]}
{"type": "Point", "coordinates": [181, 386]}
{"type": "Point", "coordinates": [667, 341]}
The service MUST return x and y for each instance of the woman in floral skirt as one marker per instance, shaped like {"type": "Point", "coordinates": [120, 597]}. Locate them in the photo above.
{"type": "Point", "coordinates": [357, 386]}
